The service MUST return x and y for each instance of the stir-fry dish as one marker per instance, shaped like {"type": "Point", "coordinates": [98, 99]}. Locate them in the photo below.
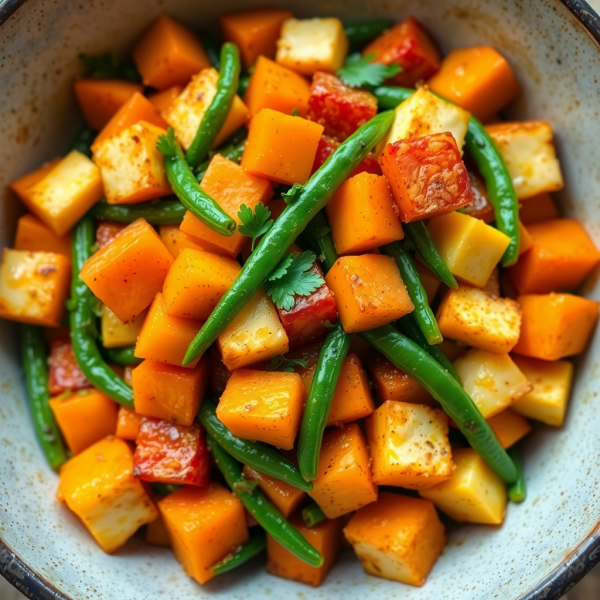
{"type": "Point", "coordinates": [294, 288]}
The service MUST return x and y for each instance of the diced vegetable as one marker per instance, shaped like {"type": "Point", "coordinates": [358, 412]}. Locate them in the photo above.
{"type": "Point", "coordinates": [162, 100]}
{"type": "Point", "coordinates": [107, 231]}
{"type": "Point", "coordinates": [22, 185]}
{"type": "Point", "coordinates": [538, 208]}
{"type": "Point", "coordinates": [128, 424]}
{"type": "Point", "coordinates": [157, 533]}
{"type": "Point", "coordinates": [99, 486]}
{"type": "Point", "coordinates": [176, 240]}
{"type": "Point", "coordinates": [327, 146]}
{"type": "Point", "coordinates": [525, 239]}
{"type": "Point", "coordinates": [474, 493]}
{"type": "Point", "coordinates": [429, 280]}
{"type": "Point", "coordinates": [115, 333]}
{"type": "Point", "coordinates": [369, 291]}
{"type": "Point", "coordinates": [64, 373]}
{"type": "Point", "coordinates": [32, 235]}
{"type": "Point", "coordinates": [397, 538]}
{"type": "Point", "coordinates": [481, 207]}
{"type": "Point", "coordinates": [509, 426]}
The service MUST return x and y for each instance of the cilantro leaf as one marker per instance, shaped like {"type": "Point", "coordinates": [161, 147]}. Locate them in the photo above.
{"type": "Point", "coordinates": [287, 365]}
{"type": "Point", "coordinates": [292, 195]}
{"type": "Point", "coordinates": [359, 71]}
{"type": "Point", "coordinates": [297, 280]}
{"type": "Point", "coordinates": [167, 144]}
{"type": "Point", "coordinates": [254, 224]}
{"type": "Point", "coordinates": [107, 66]}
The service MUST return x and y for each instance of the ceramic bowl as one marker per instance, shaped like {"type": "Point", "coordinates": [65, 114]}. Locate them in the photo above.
{"type": "Point", "coordinates": [545, 544]}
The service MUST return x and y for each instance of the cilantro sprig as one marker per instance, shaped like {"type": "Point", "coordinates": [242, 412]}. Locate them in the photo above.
{"type": "Point", "coordinates": [287, 365]}
{"type": "Point", "coordinates": [167, 144]}
{"type": "Point", "coordinates": [360, 71]}
{"type": "Point", "coordinates": [254, 223]}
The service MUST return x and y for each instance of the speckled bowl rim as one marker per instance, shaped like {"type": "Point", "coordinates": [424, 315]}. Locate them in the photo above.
{"type": "Point", "coordinates": [552, 587]}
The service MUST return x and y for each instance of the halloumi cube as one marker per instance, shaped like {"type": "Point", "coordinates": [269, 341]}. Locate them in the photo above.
{"type": "Point", "coordinates": [115, 333]}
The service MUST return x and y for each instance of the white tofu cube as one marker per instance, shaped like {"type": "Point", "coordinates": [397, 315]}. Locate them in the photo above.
{"type": "Point", "coordinates": [530, 157]}
{"type": "Point", "coordinates": [309, 45]}
{"type": "Point", "coordinates": [115, 333]}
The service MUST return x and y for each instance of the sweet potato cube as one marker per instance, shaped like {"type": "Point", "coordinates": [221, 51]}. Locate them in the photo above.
{"type": "Point", "coordinates": [99, 486]}
{"type": "Point", "coordinates": [132, 168]}
{"type": "Point", "coordinates": [157, 533]}
{"type": "Point", "coordinates": [230, 186]}
{"type": "Point", "coordinates": [284, 496]}
{"type": "Point", "coordinates": [528, 151]}
{"type": "Point", "coordinates": [555, 325]}
{"type": "Point", "coordinates": [128, 424]}
{"type": "Point", "coordinates": [455, 235]}
{"type": "Point", "coordinates": [168, 54]}
{"type": "Point", "coordinates": [562, 256]}
{"type": "Point", "coordinates": [205, 525]}
{"type": "Point", "coordinates": [397, 538]}
{"type": "Point", "coordinates": [255, 334]}
{"type": "Point", "coordinates": [480, 319]}
{"type": "Point", "coordinates": [540, 207]}
{"type": "Point", "coordinates": [34, 286]}
{"type": "Point", "coordinates": [196, 282]}
{"type": "Point", "coordinates": [84, 418]}
{"type": "Point", "coordinates": [369, 291]}
{"type": "Point", "coordinates": [509, 427]}
{"type": "Point", "coordinates": [430, 281]}
{"type": "Point", "coordinates": [162, 100]}
{"type": "Point", "coordinates": [426, 175]}
{"type": "Point", "coordinates": [64, 373]}
{"type": "Point", "coordinates": [22, 185]}
{"type": "Point", "coordinates": [327, 146]}
{"type": "Point", "coordinates": [115, 333]}
{"type": "Point", "coordinates": [362, 215]}
{"type": "Point", "coordinates": [409, 46]}
{"type": "Point", "coordinates": [474, 493]}
{"type": "Point", "coordinates": [263, 406]}
{"type": "Point", "coordinates": [168, 392]}
{"type": "Point", "coordinates": [254, 31]}
{"type": "Point", "coordinates": [186, 112]}
{"type": "Point", "coordinates": [176, 240]}
{"type": "Point", "coordinates": [35, 236]}
{"type": "Point", "coordinates": [107, 231]}
{"type": "Point", "coordinates": [324, 537]}
{"type": "Point", "coordinates": [170, 453]}
{"type": "Point", "coordinates": [478, 78]}
{"type": "Point", "coordinates": [268, 151]}
{"type": "Point", "coordinates": [493, 381]}
{"type": "Point", "coordinates": [66, 193]}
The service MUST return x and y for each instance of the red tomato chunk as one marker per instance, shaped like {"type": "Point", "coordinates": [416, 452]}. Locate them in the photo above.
{"type": "Point", "coordinates": [327, 146]}
{"type": "Point", "coordinates": [480, 208]}
{"type": "Point", "coordinates": [64, 373]}
{"type": "Point", "coordinates": [107, 231]}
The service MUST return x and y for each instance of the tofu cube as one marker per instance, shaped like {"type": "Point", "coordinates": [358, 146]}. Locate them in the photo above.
{"type": "Point", "coordinates": [493, 381]}
{"type": "Point", "coordinates": [34, 286]}
{"type": "Point", "coordinates": [456, 235]}
{"type": "Point", "coordinates": [310, 45]}
{"type": "Point", "coordinates": [186, 112]}
{"type": "Point", "coordinates": [409, 445]}
{"type": "Point", "coordinates": [66, 193]}
{"type": "Point", "coordinates": [551, 380]}
{"type": "Point", "coordinates": [509, 427]}
{"type": "Point", "coordinates": [115, 333]}
{"type": "Point", "coordinates": [474, 494]}
{"type": "Point", "coordinates": [98, 485]}
{"type": "Point", "coordinates": [528, 151]}
{"type": "Point", "coordinates": [397, 538]}
{"type": "Point", "coordinates": [480, 319]}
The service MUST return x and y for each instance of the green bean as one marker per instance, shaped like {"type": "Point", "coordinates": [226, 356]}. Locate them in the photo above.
{"type": "Point", "coordinates": [211, 47]}
{"type": "Point", "coordinates": [313, 515]}
{"type": "Point", "coordinates": [332, 355]}
{"type": "Point", "coordinates": [256, 544]}
{"type": "Point", "coordinates": [83, 141]}
{"type": "Point", "coordinates": [259, 456]}
{"type": "Point", "coordinates": [317, 237]}
{"type": "Point", "coordinates": [34, 357]}
{"type": "Point", "coordinates": [216, 114]}
{"type": "Point", "coordinates": [419, 236]}
{"type": "Point", "coordinates": [411, 358]}
{"type": "Point", "coordinates": [491, 165]}
{"type": "Point", "coordinates": [310, 199]}
{"type": "Point", "coordinates": [517, 492]}
{"type": "Point", "coordinates": [164, 489]}
{"type": "Point", "coordinates": [156, 212]}
{"type": "Point", "coordinates": [266, 515]}
{"type": "Point", "coordinates": [423, 314]}
{"type": "Point", "coordinates": [84, 330]}
{"type": "Point", "coordinates": [121, 356]}
{"type": "Point", "coordinates": [365, 31]}
{"type": "Point", "coordinates": [243, 84]}
{"type": "Point", "coordinates": [232, 152]}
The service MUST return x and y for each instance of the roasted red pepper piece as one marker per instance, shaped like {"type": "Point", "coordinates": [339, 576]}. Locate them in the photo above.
{"type": "Point", "coordinates": [481, 207]}
{"type": "Point", "coordinates": [325, 149]}
{"type": "Point", "coordinates": [64, 374]}
{"type": "Point", "coordinates": [338, 107]}
{"type": "Point", "coordinates": [170, 453]}
{"type": "Point", "coordinates": [107, 231]}
{"type": "Point", "coordinates": [426, 175]}
{"type": "Point", "coordinates": [409, 46]}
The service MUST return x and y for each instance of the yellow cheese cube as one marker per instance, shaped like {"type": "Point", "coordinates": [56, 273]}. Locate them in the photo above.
{"type": "Point", "coordinates": [474, 494]}
{"type": "Point", "coordinates": [255, 334]}
{"type": "Point", "coordinates": [132, 168]}
{"type": "Point", "coordinates": [65, 194]}
{"type": "Point", "coordinates": [409, 445]}
{"type": "Point", "coordinates": [530, 157]}
{"type": "Point", "coordinates": [310, 45]}
{"type": "Point", "coordinates": [98, 485]}
{"type": "Point", "coordinates": [185, 113]}
{"type": "Point", "coordinates": [492, 380]}
{"type": "Point", "coordinates": [480, 319]}
{"type": "Point", "coordinates": [469, 247]}
{"type": "Point", "coordinates": [423, 114]}
{"type": "Point", "coordinates": [551, 380]}
{"type": "Point", "coordinates": [115, 333]}
{"type": "Point", "coordinates": [34, 286]}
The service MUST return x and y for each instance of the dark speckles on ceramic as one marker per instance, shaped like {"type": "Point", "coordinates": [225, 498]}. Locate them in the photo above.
{"type": "Point", "coordinates": [545, 543]}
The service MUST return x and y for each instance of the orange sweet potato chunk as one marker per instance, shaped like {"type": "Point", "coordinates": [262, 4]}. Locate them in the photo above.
{"type": "Point", "coordinates": [509, 427]}
{"type": "Point", "coordinates": [162, 100]}
{"type": "Point", "coordinates": [23, 185]}
{"type": "Point", "coordinates": [35, 236]}
{"type": "Point", "coordinates": [128, 424]}
{"type": "Point", "coordinates": [537, 208]}
{"type": "Point", "coordinates": [176, 240]}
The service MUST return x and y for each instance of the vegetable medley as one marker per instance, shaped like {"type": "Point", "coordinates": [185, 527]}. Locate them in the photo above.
{"type": "Point", "coordinates": [301, 287]}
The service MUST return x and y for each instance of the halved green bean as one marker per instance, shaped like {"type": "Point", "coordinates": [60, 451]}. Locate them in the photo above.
{"type": "Point", "coordinates": [364, 31]}
{"type": "Point", "coordinates": [411, 358]}
{"type": "Point", "coordinates": [121, 356]}
{"type": "Point", "coordinates": [313, 515]}
{"type": "Point", "coordinates": [232, 152]}
{"type": "Point", "coordinates": [332, 355]}
{"type": "Point", "coordinates": [34, 357]}
{"type": "Point", "coordinates": [423, 314]}
{"type": "Point", "coordinates": [216, 114]}
{"type": "Point", "coordinates": [156, 212]}
{"type": "Point", "coordinates": [256, 544]}
{"type": "Point", "coordinates": [257, 455]}
{"type": "Point", "coordinates": [317, 237]}
{"type": "Point", "coordinates": [517, 492]}
{"type": "Point", "coordinates": [83, 141]}
{"type": "Point", "coordinates": [266, 515]}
